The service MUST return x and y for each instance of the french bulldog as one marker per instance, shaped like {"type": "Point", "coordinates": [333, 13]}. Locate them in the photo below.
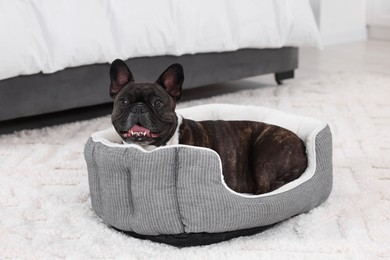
{"type": "Point", "coordinates": [256, 157]}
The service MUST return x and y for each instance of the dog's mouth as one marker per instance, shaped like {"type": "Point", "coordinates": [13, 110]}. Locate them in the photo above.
{"type": "Point", "coordinates": [139, 133]}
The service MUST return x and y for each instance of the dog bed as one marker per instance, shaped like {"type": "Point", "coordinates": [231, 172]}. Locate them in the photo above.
{"type": "Point", "coordinates": [177, 195]}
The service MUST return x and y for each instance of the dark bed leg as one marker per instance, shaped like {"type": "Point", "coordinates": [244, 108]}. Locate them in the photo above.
{"type": "Point", "coordinates": [279, 76]}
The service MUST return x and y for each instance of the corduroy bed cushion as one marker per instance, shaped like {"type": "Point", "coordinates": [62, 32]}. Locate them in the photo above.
{"type": "Point", "coordinates": [174, 192]}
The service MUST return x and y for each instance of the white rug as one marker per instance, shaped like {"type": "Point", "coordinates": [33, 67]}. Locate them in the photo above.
{"type": "Point", "coordinates": [45, 210]}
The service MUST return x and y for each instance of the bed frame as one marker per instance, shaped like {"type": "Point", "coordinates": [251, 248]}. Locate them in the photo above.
{"type": "Point", "coordinates": [88, 85]}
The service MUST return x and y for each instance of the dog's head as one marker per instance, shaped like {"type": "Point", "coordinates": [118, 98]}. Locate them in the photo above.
{"type": "Point", "coordinates": [144, 113]}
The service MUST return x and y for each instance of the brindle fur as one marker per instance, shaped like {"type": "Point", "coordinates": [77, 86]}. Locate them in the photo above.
{"type": "Point", "coordinates": [256, 157]}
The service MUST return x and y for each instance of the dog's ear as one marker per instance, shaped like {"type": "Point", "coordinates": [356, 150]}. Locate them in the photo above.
{"type": "Point", "coordinates": [120, 75]}
{"type": "Point", "coordinates": [172, 80]}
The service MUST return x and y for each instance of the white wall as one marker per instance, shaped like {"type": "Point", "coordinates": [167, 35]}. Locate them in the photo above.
{"type": "Point", "coordinates": [341, 20]}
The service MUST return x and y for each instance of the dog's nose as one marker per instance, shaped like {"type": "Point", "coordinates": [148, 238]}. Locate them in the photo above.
{"type": "Point", "coordinates": [139, 108]}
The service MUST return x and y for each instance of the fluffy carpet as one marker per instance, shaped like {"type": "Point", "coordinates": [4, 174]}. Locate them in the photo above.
{"type": "Point", "coordinates": [45, 209]}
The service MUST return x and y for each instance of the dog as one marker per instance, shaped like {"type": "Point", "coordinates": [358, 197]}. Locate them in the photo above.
{"type": "Point", "coordinates": [256, 157]}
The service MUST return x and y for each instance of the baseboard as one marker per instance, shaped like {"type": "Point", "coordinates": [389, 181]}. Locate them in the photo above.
{"type": "Point", "coordinates": [377, 32]}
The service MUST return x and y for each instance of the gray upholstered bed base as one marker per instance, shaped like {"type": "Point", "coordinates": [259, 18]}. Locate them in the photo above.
{"type": "Point", "coordinates": [179, 189]}
{"type": "Point", "coordinates": [88, 85]}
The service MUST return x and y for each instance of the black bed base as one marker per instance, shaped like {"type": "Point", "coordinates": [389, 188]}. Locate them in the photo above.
{"type": "Point", "coordinates": [197, 239]}
{"type": "Point", "coordinates": [88, 85]}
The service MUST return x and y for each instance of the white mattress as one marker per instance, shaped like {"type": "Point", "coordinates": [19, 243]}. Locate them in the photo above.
{"type": "Point", "coordinates": [47, 36]}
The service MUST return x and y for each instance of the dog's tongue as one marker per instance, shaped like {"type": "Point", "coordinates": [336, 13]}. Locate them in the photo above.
{"type": "Point", "coordinates": [140, 131]}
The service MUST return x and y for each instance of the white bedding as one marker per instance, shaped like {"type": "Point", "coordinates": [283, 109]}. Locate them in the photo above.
{"type": "Point", "coordinates": [47, 36]}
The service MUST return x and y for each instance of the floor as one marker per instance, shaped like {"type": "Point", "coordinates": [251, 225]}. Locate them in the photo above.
{"type": "Point", "coordinates": [365, 56]}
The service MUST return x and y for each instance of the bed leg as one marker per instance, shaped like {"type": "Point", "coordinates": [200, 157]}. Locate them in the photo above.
{"type": "Point", "coordinates": [279, 76]}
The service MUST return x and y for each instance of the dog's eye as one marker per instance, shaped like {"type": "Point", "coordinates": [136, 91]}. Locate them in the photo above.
{"type": "Point", "coordinates": [157, 104]}
{"type": "Point", "coordinates": [123, 102]}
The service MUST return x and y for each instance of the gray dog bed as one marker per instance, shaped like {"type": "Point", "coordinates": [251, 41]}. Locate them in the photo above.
{"type": "Point", "coordinates": [177, 195]}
